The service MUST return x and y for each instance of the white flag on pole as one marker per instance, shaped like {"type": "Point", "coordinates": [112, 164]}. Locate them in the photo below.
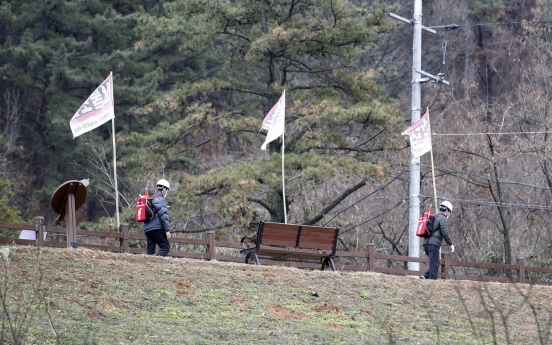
{"type": "Point", "coordinates": [95, 111]}
{"type": "Point", "coordinates": [274, 122]}
{"type": "Point", "coordinates": [420, 136]}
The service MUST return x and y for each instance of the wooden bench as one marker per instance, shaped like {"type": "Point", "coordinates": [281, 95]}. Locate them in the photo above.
{"type": "Point", "coordinates": [293, 242]}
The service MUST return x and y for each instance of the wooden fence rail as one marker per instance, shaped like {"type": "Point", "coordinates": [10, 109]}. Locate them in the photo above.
{"type": "Point", "coordinates": [375, 262]}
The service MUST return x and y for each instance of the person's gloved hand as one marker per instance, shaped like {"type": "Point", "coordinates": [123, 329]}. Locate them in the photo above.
{"type": "Point", "coordinates": [452, 248]}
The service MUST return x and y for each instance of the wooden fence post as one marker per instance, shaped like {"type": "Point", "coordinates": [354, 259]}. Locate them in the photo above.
{"type": "Point", "coordinates": [445, 264]}
{"type": "Point", "coordinates": [521, 270]}
{"type": "Point", "coordinates": [123, 240]}
{"type": "Point", "coordinates": [211, 250]}
{"type": "Point", "coordinates": [370, 257]}
{"type": "Point", "coordinates": [39, 231]}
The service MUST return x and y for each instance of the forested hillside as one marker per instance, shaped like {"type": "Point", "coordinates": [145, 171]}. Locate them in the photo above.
{"type": "Point", "coordinates": [193, 80]}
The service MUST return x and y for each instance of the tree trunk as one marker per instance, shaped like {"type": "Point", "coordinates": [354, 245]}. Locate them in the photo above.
{"type": "Point", "coordinates": [498, 198]}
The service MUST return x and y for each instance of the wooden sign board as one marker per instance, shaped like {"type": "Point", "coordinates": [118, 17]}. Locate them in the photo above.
{"type": "Point", "coordinates": [60, 196]}
{"type": "Point", "coordinates": [68, 198]}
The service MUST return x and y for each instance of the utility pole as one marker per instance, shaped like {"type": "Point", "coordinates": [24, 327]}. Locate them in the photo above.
{"type": "Point", "coordinates": [414, 197]}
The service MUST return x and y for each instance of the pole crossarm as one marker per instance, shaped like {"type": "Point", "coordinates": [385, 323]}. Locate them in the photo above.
{"type": "Point", "coordinates": [435, 78]}
{"type": "Point", "coordinates": [410, 21]}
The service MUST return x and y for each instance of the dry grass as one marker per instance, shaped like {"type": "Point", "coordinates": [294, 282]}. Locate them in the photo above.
{"type": "Point", "coordinates": [105, 298]}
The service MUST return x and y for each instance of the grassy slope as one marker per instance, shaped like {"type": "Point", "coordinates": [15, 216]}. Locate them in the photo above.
{"type": "Point", "coordinates": [105, 298]}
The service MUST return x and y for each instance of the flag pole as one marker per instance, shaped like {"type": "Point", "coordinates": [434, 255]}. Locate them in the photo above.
{"type": "Point", "coordinates": [283, 175]}
{"type": "Point", "coordinates": [114, 154]}
{"type": "Point", "coordinates": [432, 166]}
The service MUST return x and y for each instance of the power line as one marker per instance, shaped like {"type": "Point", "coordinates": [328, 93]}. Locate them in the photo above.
{"type": "Point", "coordinates": [364, 197]}
{"type": "Point", "coordinates": [490, 178]}
{"type": "Point", "coordinates": [379, 215]}
{"type": "Point", "coordinates": [493, 203]}
{"type": "Point", "coordinates": [487, 133]}
{"type": "Point", "coordinates": [433, 135]}
{"type": "Point", "coordinates": [40, 149]}
{"type": "Point", "coordinates": [454, 26]}
{"type": "Point", "coordinates": [460, 201]}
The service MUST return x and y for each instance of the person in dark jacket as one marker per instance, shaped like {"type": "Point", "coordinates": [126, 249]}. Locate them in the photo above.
{"type": "Point", "coordinates": [432, 244]}
{"type": "Point", "coordinates": [157, 230]}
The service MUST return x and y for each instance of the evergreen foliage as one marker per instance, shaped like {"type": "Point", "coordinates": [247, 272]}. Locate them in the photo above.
{"type": "Point", "coordinates": [8, 213]}
{"type": "Point", "coordinates": [52, 56]}
{"type": "Point", "coordinates": [253, 51]}
{"type": "Point", "coordinates": [486, 10]}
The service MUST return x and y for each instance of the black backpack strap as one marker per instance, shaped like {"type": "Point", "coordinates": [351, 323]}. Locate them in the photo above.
{"type": "Point", "coordinates": [434, 219]}
{"type": "Point", "coordinates": [153, 209]}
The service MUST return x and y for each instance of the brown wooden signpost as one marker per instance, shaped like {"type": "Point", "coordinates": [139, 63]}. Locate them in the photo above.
{"type": "Point", "coordinates": [66, 200]}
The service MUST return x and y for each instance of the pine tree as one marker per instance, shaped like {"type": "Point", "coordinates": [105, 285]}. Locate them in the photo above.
{"type": "Point", "coordinates": [253, 51]}
{"type": "Point", "coordinates": [52, 56]}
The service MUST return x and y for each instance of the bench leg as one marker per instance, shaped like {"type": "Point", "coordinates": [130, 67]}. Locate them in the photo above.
{"type": "Point", "coordinates": [328, 263]}
{"type": "Point", "coordinates": [333, 266]}
{"type": "Point", "coordinates": [254, 255]}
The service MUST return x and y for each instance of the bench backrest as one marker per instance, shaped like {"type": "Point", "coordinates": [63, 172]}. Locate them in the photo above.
{"type": "Point", "coordinates": [318, 237]}
{"type": "Point", "coordinates": [277, 234]}
{"type": "Point", "coordinates": [297, 236]}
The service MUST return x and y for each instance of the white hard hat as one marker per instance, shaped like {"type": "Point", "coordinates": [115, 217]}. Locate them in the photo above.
{"type": "Point", "coordinates": [447, 205]}
{"type": "Point", "coordinates": [164, 183]}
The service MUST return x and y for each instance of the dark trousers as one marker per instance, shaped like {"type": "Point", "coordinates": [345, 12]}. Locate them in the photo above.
{"type": "Point", "coordinates": [432, 253]}
{"type": "Point", "coordinates": [158, 237]}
